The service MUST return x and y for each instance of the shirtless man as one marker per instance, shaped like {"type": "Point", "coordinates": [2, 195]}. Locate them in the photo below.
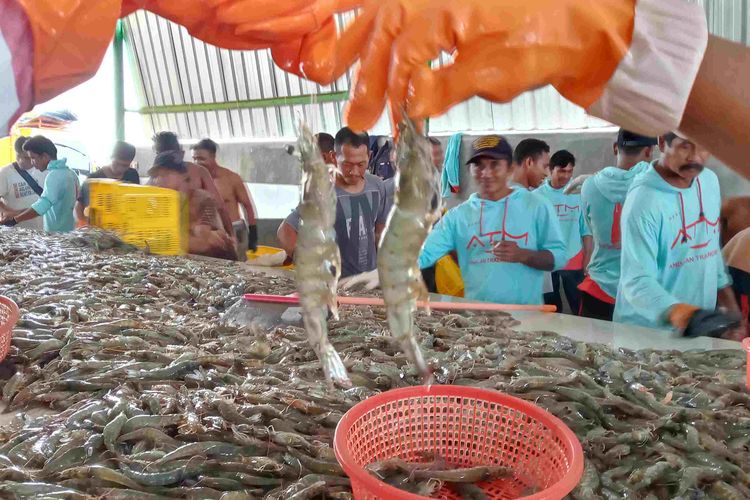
{"type": "Point", "coordinates": [198, 177]}
{"type": "Point", "coordinates": [207, 236]}
{"type": "Point", "coordinates": [233, 191]}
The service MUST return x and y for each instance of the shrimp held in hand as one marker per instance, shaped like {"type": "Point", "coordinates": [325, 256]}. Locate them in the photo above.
{"type": "Point", "coordinates": [316, 258]}
{"type": "Point", "coordinates": [415, 209]}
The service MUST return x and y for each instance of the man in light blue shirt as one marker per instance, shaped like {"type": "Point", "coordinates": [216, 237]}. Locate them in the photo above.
{"type": "Point", "coordinates": [603, 196]}
{"type": "Point", "coordinates": [505, 237]}
{"type": "Point", "coordinates": [577, 235]}
{"type": "Point", "coordinates": [60, 189]}
{"type": "Point", "coordinates": [672, 273]}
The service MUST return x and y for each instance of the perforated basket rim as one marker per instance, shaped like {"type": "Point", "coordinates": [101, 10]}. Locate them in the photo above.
{"type": "Point", "coordinates": [557, 427]}
{"type": "Point", "coordinates": [9, 324]}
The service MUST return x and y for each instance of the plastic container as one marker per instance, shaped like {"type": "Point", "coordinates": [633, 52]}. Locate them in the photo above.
{"type": "Point", "coordinates": [144, 216]}
{"type": "Point", "coordinates": [8, 319]}
{"type": "Point", "coordinates": [466, 427]}
{"type": "Point", "coordinates": [746, 346]}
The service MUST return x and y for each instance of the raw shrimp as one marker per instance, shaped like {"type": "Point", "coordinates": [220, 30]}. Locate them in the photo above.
{"type": "Point", "coordinates": [317, 258]}
{"type": "Point", "coordinates": [413, 214]}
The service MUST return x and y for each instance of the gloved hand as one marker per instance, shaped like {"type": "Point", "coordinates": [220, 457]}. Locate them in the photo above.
{"type": "Point", "coordinates": [66, 39]}
{"type": "Point", "coordinates": [242, 24]}
{"type": "Point", "coordinates": [252, 237]}
{"type": "Point", "coordinates": [576, 185]}
{"type": "Point", "coordinates": [300, 32]}
{"type": "Point", "coordinates": [600, 55]}
{"type": "Point", "coordinates": [202, 19]}
{"type": "Point", "coordinates": [693, 321]}
{"type": "Point", "coordinates": [369, 280]}
{"type": "Point", "coordinates": [9, 222]}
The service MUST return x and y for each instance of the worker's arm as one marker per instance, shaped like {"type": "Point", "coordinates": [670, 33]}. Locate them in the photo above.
{"type": "Point", "coordinates": [509, 251]}
{"type": "Point", "coordinates": [246, 200]}
{"type": "Point", "coordinates": [243, 196]}
{"type": "Point", "coordinates": [287, 238]}
{"type": "Point", "coordinates": [718, 110]}
{"type": "Point", "coordinates": [211, 243]}
{"type": "Point", "coordinates": [379, 229]}
{"type": "Point", "coordinates": [27, 214]}
{"type": "Point", "coordinates": [79, 212]}
{"type": "Point", "coordinates": [726, 299]}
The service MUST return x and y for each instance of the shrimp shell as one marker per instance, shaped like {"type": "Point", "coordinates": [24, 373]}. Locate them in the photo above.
{"type": "Point", "coordinates": [410, 221]}
{"type": "Point", "coordinates": [317, 259]}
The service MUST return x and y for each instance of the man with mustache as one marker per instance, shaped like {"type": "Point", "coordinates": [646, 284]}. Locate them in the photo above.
{"type": "Point", "coordinates": [673, 274]}
{"type": "Point", "coordinates": [360, 209]}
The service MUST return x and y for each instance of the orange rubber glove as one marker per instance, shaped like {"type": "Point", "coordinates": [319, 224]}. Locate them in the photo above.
{"type": "Point", "coordinates": [283, 25]}
{"type": "Point", "coordinates": [67, 39]}
{"type": "Point", "coordinates": [206, 19]}
{"type": "Point", "coordinates": [632, 62]}
{"type": "Point", "coordinates": [304, 38]}
{"type": "Point", "coordinates": [680, 315]}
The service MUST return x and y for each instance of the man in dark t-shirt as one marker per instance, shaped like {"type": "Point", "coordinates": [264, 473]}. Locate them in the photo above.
{"type": "Point", "coordinates": [360, 208]}
{"type": "Point", "coordinates": [119, 170]}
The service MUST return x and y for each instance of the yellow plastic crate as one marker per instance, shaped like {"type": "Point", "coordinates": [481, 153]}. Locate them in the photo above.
{"type": "Point", "coordinates": [102, 204]}
{"type": "Point", "coordinates": [148, 217]}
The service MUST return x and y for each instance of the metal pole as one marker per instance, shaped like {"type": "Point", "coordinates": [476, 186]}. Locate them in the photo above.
{"type": "Point", "coordinates": [117, 52]}
{"type": "Point", "coordinates": [249, 104]}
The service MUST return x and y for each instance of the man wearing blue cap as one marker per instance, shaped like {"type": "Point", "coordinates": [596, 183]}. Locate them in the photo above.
{"type": "Point", "coordinates": [505, 237]}
{"type": "Point", "coordinates": [603, 196]}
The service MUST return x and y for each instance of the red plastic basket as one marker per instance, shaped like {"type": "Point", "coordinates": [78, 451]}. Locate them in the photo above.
{"type": "Point", "coordinates": [8, 320]}
{"type": "Point", "coordinates": [466, 427]}
{"type": "Point", "coordinates": [746, 346]}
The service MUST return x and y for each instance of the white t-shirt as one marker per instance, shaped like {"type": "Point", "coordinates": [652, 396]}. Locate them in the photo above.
{"type": "Point", "coordinates": [18, 195]}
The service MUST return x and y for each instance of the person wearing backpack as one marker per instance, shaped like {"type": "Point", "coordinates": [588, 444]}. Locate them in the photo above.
{"type": "Point", "coordinates": [20, 186]}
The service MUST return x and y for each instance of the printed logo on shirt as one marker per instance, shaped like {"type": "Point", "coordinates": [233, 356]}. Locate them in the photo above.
{"type": "Point", "coordinates": [361, 226]}
{"type": "Point", "coordinates": [567, 213]}
{"type": "Point", "coordinates": [698, 234]}
{"type": "Point", "coordinates": [693, 259]}
{"type": "Point", "coordinates": [486, 240]}
{"type": "Point", "coordinates": [22, 190]}
{"type": "Point", "coordinates": [355, 230]}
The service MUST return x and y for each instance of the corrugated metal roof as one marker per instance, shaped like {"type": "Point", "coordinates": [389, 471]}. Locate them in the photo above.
{"type": "Point", "coordinates": [173, 68]}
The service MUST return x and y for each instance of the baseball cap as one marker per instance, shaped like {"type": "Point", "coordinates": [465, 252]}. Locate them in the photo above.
{"type": "Point", "coordinates": [628, 139]}
{"type": "Point", "coordinates": [492, 146]}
